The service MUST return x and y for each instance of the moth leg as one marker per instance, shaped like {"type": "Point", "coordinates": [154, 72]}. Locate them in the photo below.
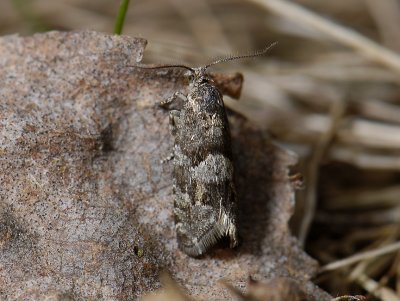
{"type": "Point", "coordinates": [171, 99]}
{"type": "Point", "coordinates": [173, 119]}
{"type": "Point", "coordinates": [167, 159]}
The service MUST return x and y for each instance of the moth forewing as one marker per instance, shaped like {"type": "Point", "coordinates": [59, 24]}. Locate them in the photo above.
{"type": "Point", "coordinates": [205, 201]}
{"type": "Point", "coordinates": [205, 197]}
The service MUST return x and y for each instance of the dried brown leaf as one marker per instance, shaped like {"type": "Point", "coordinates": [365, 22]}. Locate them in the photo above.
{"type": "Point", "coordinates": [86, 205]}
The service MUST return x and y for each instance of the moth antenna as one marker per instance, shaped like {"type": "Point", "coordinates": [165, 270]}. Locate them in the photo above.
{"type": "Point", "coordinates": [162, 66]}
{"type": "Point", "coordinates": [243, 56]}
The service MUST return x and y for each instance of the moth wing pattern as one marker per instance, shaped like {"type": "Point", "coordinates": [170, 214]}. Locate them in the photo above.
{"type": "Point", "coordinates": [205, 199]}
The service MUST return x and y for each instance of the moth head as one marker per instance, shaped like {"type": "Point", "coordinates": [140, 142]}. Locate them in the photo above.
{"type": "Point", "coordinates": [200, 76]}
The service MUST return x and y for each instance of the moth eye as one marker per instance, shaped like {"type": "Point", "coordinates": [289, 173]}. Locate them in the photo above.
{"type": "Point", "coordinates": [191, 77]}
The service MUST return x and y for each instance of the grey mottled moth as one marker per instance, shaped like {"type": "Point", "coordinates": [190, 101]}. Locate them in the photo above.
{"type": "Point", "coordinates": [205, 199]}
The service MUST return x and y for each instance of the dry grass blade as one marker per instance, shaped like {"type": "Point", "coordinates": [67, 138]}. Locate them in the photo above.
{"type": "Point", "coordinates": [171, 291]}
{"type": "Point", "coordinates": [362, 256]}
{"type": "Point", "coordinates": [335, 31]}
{"type": "Point", "coordinates": [349, 298]}
{"type": "Point", "coordinates": [337, 111]}
{"type": "Point", "coordinates": [376, 290]}
{"type": "Point", "coordinates": [204, 25]}
{"type": "Point", "coordinates": [387, 17]}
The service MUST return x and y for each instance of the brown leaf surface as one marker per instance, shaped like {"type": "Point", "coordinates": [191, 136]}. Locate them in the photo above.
{"type": "Point", "coordinates": [86, 205]}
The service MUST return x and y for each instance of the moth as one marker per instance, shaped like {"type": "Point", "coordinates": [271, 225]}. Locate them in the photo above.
{"type": "Point", "coordinates": [205, 197]}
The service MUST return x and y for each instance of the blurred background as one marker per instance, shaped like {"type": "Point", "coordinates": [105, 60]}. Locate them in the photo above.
{"type": "Point", "coordinates": [328, 91]}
